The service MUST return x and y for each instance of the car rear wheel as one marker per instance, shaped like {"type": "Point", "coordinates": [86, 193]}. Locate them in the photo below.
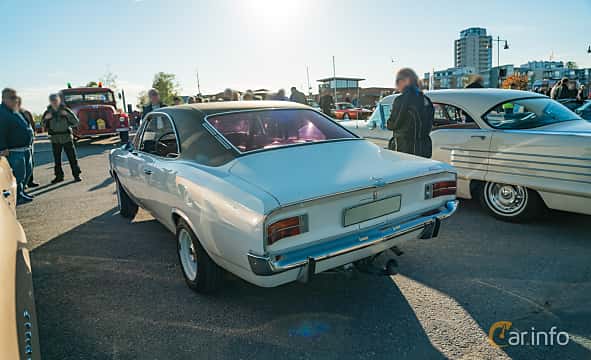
{"type": "Point", "coordinates": [346, 117]}
{"type": "Point", "coordinates": [508, 202]}
{"type": "Point", "coordinates": [200, 272]}
{"type": "Point", "coordinates": [127, 207]}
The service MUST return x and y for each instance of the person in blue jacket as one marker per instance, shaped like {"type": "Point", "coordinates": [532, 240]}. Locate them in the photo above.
{"type": "Point", "coordinates": [16, 138]}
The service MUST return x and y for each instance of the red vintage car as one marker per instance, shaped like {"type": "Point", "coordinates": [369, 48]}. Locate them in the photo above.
{"type": "Point", "coordinates": [96, 108]}
{"type": "Point", "coordinates": [346, 111]}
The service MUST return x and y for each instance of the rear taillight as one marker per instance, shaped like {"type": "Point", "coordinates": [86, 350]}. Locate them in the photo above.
{"type": "Point", "coordinates": [440, 188]}
{"type": "Point", "coordinates": [286, 227]}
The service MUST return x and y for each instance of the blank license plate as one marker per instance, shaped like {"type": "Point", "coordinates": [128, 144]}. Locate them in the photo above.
{"type": "Point", "coordinates": [372, 210]}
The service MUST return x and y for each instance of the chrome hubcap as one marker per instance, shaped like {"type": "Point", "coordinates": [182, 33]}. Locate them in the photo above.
{"type": "Point", "coordinates": [506, 199]}
{"type": "Point", "coordinates": [187, 254]}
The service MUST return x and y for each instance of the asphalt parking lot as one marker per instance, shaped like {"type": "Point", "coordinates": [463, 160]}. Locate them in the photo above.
{"type": "Point", "coordinates": [109, 289]}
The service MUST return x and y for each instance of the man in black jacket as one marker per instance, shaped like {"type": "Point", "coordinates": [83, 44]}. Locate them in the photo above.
{"type": "Point", "coordinates": [16, 138]}
{"type": "Point", "coordinates": [155, 103]}
{"type": "Point", "coordinates": [411, 118]}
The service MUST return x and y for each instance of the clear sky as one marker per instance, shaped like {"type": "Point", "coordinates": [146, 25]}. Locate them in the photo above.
{"type": "Point", "coordinates": [265, 43]}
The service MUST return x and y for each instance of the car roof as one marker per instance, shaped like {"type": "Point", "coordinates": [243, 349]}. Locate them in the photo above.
{"type": "Point", "coordinates": [231, 106]}
{"type": "Point", "coordinates": [478, 101]}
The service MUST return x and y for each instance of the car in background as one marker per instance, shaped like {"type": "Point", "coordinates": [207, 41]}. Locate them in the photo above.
{"type": "Point", "coordinates": [584, 110]}
{"type": "Point", "coordinates": [518, 152]}
{"type": "Point", "coordinates": [346, 111]}
{"type": "Point", "coordinates": [96, 108]}
{"type": "Point", "coordinates": [18, 320]}
{"type": "Point", "coordinates": [275, 191]}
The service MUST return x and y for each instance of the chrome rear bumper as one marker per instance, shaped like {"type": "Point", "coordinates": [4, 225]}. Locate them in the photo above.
{"type": "Point", "coordinates": [270, 264]}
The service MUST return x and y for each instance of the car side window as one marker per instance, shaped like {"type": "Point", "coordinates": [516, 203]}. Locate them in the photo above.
{"type": "Point", "coordinates": [450, 116]}
{"type": "Point", "coordinates": [159, 137]}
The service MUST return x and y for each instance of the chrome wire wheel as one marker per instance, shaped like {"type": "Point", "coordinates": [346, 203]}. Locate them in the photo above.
{"type": "Point", "coordinates": [505, 199]}
{"type": "Point", "coordinates": [187, 254]}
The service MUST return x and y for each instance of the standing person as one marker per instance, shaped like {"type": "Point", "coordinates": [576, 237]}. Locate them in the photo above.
{"type": "Point", "coordinates": [155, 102]}
{"type": "Point", "coordinates": [59, 121]}
{"type": "Point", "coordinates": [248, 95]}
{"type": "Point", "coordinates": [177, 100]}
{"type": "Point", "coordinates": [411, 119]}
{"type": "Point", "coordinates": [297, 96]}
{"type": "Point", "coordinates": [326, 103]}
{"type": "Point", "coordinates": [280, 95]}
{"type": "Point", "coordinates": [562, 91]}
{"type": "Point", "coordinates": [26, 115]}
{"type": "Point", "coordinates": [583, 93]}
{"type": "Point", "coordinates": [16, 137]}
{"type": "Point", "coordinates": [191, 100]}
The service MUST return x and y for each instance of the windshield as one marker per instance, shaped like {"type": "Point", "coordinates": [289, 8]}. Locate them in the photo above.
{"type": "Point", "coordinates": [88, 97]}
{"type": "Point", "coordinates": [528, 113]}
{"type": "Point", "coordinates": [264, 129]}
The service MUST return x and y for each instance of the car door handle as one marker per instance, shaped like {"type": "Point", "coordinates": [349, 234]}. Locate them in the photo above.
{"type": "Point", "coordinates": [147, 171]}
{"type": "Point", "coordinates": [481, 137]}
{"type": "Point", "coordinates": [6, 193]}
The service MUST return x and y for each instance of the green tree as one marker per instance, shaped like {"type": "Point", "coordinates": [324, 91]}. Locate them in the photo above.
{"type": "Point", "coordinates": [167, 86]}
{"type": "Point", "coordinates": [142, 99]}
{"type": "Point", "coordinates": [92, 84]}
{"type": "Point", "coordinates": [571, 65]}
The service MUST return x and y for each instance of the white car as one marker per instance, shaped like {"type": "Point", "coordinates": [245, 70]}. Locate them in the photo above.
{"type": "Point", "coordinates": [274, 192]}
{"type": "Point", "coordinates": [519, 152]}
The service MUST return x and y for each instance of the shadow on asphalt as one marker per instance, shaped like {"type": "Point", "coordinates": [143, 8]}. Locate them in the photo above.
{"type": "Point", "coordinates": [110, 289]}
{"type": "Point", "coordinates": [86, 147]}
{"type": "Point", "coordinates": [535, 275]}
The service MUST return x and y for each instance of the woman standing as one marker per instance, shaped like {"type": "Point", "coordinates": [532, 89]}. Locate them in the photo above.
{"type": "Point", "coordinates": [411, 118]}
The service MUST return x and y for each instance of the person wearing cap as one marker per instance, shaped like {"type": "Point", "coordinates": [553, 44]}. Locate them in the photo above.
{"type": "Point", "coordinates": [155, 102]}
{"type": "Point", "coordinates": [16, 137]}
{"type": "Point", "coordinates": [59, 121]}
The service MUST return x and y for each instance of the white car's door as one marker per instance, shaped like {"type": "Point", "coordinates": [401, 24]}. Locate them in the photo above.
{"type": "Point", "coordinates": [459, 141]}
{"type": "Point", "coordinates": [158, 152]}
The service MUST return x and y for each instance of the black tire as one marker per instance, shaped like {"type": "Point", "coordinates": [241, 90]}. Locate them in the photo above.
{"type": "Point", "coordinates": [346, 117]}
{"type": "Point", "coordinates": [208, 276]}
{"type": "Point", "coordinates": [513, 203]}
{"type": "Point", "coordinates": [127, 207]}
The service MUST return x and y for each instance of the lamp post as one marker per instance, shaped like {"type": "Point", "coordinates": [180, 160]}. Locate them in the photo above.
{"type": "Point", "coordinates": [589, 50]}
{"type": "Point", "coordinates": [498, 40]}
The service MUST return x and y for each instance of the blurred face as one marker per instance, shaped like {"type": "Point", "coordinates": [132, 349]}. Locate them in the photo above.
{"type": "Point", "coordinates": [402, 84]}
{"type": "Point", "coordinates": [11, 101]}
{"type": "Point", "coordinates": [55, 103]}
{"type": "Point", "coordinates": [154, 98]}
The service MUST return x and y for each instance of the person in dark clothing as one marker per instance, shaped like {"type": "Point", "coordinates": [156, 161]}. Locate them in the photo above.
{"type": "Point", "coordinates": [155, 102]}
{"type": "Point", "coordinates": [583, 93]}
{"type": "Point", "coordinates": [411, 118]}
{"type": "Point", "coordinates": [562, 91]}
{"type": "Point", "coordinates": [297, 96]}
{"type": "Point", "coordinates": [26, 114]}
{"type": "Point", "coordinates": [16, 137]}
{"type": "Point", "coordinates": [477, 82]}
{"type": "Point", "coordinates": [327, 103]}
{"type": "Point", "coordinates": [59, 121]}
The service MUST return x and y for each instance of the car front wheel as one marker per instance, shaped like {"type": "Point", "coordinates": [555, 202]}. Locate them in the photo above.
{"type": "Point", "coordinates": [508, 202]}
{"type": "Point", "coordinates": [200, 272]}
{"type": "Point", "coordinates": [127, 207]}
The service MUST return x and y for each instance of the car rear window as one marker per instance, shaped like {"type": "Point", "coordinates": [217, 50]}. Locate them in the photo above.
{"type": "Point", "coordinates": [266, 129]}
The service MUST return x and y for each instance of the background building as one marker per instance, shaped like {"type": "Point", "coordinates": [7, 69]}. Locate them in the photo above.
{"type": "Point", "coordinates": [473, 49]}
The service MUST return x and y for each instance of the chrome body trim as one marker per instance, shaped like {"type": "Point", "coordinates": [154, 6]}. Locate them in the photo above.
{"type": "Point", "coordinates": [270, 264]}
